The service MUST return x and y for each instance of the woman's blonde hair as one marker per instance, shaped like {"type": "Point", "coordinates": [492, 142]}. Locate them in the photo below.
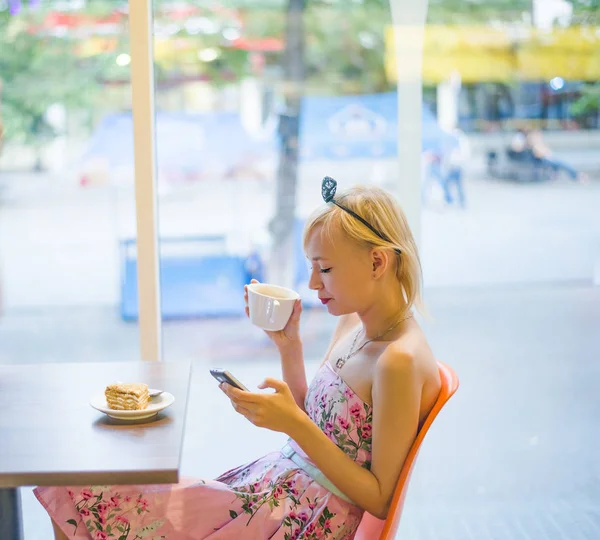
{"type": "Point", "coordinates": [381, 210]}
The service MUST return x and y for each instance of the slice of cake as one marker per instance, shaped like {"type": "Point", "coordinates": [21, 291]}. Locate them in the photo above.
{"type": "Point", "coordinates": [127, 397]}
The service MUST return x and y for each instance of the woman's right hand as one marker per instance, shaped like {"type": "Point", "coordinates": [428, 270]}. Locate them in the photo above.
{"type": "Point", "coordinates": [290, 335]}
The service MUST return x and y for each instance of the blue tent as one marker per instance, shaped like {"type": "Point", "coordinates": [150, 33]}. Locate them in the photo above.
{"type": "Point", "coordinates": [362, 126]}
{"type": "Point", "coordinates": [190, 142]}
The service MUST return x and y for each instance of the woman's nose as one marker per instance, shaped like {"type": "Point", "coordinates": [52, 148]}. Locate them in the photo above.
{"type": "Point", "coordinates": [314, 282]}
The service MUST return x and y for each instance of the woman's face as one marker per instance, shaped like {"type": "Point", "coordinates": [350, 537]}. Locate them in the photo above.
{"type": "Point", "coordinates": [340, 271]}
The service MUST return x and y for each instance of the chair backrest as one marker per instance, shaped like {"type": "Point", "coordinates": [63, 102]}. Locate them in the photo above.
{"type": "Point", "coordinates": [370, 527]}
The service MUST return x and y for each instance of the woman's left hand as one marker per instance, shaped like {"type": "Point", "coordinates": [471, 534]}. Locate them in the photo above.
{"type": "Point", "coordinates": [277, 411]}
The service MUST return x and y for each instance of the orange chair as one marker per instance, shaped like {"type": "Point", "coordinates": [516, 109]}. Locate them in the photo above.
{"type": "Point", "coordinates": [370, 527]}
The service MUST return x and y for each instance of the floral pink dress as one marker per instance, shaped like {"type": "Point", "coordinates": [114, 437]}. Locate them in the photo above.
{"type": "Point", "coordinates": [268, 498]}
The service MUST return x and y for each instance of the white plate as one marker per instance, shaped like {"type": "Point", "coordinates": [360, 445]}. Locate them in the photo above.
{"type": "Point", "coordinates": [156, 405]}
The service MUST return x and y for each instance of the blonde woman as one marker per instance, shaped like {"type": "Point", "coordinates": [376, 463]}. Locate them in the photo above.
{"type": "Point", "coordinates": [349, 430]}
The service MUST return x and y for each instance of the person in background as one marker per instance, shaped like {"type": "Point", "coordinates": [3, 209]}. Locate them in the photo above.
{"type": "Point", "coordinates": [453, 170]}
{"type": "Point", "coordinates": [518, 144]}
{"type": "Point", "coordinates": [543, 157]}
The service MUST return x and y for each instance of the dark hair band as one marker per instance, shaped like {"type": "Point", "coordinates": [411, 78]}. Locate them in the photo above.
{"type": "Point", "coordinates": [328, 189]}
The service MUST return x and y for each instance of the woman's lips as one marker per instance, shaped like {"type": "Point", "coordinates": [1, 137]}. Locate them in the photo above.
{"type": "Point", "coordinates": [324, 300]}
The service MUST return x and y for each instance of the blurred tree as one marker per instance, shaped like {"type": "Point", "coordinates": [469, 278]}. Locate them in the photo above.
{"type": "Point", "coordinates": [587, 106]}
{"type": "Point", "coordinates": [38, 71]}
{"type": "Point", "coordinates": [587, 12]}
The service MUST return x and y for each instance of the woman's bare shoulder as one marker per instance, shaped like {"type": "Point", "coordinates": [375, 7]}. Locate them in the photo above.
{"type": "Point", "coordinates": [414, 345]}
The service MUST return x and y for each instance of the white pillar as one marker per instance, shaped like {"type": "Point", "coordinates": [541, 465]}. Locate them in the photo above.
{"type": "Point", "coordinates": [142, 89]}
{"type": "Point", "coordinates": [448, 93]}
{"type": "Point", "coordinates": [408, 20]}
{"type": "Point", "coordinates": [546, 13]}
{"type": "Point", "coordinates": [251, 104]}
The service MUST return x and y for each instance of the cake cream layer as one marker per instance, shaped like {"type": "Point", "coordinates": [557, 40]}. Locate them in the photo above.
{"type": "Point", "coordinates": [124, 405]}
{"type": "Point", "coordinates": [125, 397]}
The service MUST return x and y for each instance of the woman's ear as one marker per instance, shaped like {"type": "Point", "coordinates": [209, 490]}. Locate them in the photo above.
{"type": "Point", "coordinates": [380, 260]}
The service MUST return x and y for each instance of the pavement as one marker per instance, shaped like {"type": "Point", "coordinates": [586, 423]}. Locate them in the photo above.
{"type": "Point", "coordinates": [59, 243]}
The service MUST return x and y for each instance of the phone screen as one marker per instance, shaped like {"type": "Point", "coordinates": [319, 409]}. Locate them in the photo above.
{"type": "Point", "coordinates": [223, 375]}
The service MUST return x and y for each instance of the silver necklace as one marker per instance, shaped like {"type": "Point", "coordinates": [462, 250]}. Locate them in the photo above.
{"type": "Point", "coordinates": [339, 363]}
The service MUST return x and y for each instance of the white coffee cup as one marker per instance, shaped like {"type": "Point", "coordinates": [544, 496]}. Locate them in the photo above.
{"type": "Point", "coordinates": [270, 305]}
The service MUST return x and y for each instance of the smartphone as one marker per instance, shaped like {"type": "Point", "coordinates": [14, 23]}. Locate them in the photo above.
{"type": "Point", "coordinates": [223, 375]}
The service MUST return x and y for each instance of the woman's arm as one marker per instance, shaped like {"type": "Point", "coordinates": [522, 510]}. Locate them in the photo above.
{"type": "Point", "coordinates": [294, 372]}
{"type": "Point", "coordinates": [396, 402]}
